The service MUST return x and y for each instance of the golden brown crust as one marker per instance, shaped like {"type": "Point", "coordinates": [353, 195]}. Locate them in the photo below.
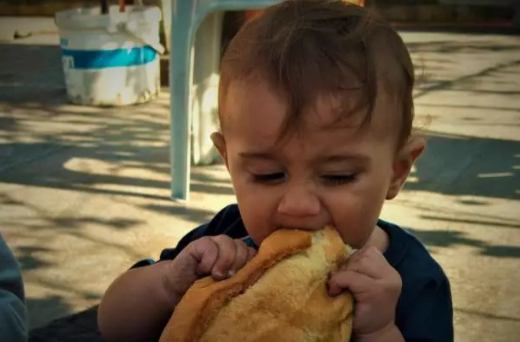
{"type": "Point", "coordinates": [203, 300]}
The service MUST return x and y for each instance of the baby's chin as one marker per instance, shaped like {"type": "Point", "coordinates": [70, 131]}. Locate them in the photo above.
{"type": "Point", "coordinates": [377, 237]}
{"type": "Point", "coordinates": [358, 242]}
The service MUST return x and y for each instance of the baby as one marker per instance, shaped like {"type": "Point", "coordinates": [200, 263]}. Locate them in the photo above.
{"type": "Point", "coordinates": [316, 116]}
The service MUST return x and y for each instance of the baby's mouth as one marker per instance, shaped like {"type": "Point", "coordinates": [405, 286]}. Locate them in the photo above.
{"type": "Point", "coordinates": [249, 240]}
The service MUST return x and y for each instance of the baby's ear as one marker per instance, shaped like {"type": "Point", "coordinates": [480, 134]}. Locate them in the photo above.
{"type": "Point", "coordinates": [403, 164]}
{"type": "Point", "coordinates": [220, 145]}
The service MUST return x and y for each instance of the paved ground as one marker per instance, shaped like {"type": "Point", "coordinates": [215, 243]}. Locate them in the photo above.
{"type": "Point", "coordinates": [84, 191]}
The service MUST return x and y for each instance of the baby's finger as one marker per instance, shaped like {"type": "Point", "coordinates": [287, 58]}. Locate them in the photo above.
{"type": "Point", "coordinates": [205, 252]}
{"type": "Point", "coordinates": [369, 262]}
{"type": "Point", "coordinates": [363, 252]}
{"type": "Point", "coordinates": [353, 281]}
{"type": "Point", "coordinates": [241, 257]}
{"type": "Point", "coordinates": [226, 256]}
{"type": "Point", "coordinates": [251, 252]}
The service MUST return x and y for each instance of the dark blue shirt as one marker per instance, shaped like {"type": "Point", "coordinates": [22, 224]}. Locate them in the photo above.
{"type": "Point", "coordinates": [424, 311]}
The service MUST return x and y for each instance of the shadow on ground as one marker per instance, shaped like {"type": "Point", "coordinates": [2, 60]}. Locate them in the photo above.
{"type": "Point", "coordinates": [124, 153]}
{"type": "Point", "coordinates": [436, 69]}
{"type": "Point", "coordinates": [444, 238]}
{"type": "Point", "coordinates": [105, 151]}
{"type": "Point", "coordinates": [52, 306]}
{"type": "Point", "coordinates": [40, 82]}
{"type": "Point", "coordinates": [463, 166]}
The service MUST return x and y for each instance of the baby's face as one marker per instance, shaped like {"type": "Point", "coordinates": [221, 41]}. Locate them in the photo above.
{"type": "Point", "coordinates": [319, 176]}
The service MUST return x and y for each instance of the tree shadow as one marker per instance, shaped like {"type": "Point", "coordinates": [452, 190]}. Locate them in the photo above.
{"type": "Point", "coordinates": [45, 144]}
{"type": "Point", "coordinates": [466, 166]}
{"type": "Point", "coordinates": [189, 214]}
{"type": "Point", "coordinates": [487, 222]}
{"type": "Point", "coordinates": [79, 327]}
{"type": "Point", "coordinates": [469, 82]}
{"type": "Point", "coordinates": [50, 306]}
{"type": "Point", "coordinates": [487, 315]}
{"type": "Point", "coordinates": [449, 64]}
{"type": "Point", "coordinates": [42, 309]}
{"type": "Point", "coordinates": [117, 144]}
{"type": "Point", "coordinates": [26, 257]}
{"type": "Point", "coordinates": [445, 238]}
{"type": "Point", "coordinates": [39, 82]}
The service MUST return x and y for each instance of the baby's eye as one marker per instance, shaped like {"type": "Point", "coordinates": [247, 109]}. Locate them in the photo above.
{"type": "Point", "coordinates": [339, 179]}
{"type": "Point", "coordinates": [269, 177]}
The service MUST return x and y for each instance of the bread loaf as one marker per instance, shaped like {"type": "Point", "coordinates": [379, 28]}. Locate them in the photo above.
{"type": "Point", "coordinates": [279, 296]}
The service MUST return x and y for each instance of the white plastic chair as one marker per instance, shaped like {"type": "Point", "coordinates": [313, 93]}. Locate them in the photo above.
{"type": "Point", "coordinates": [196, 26]}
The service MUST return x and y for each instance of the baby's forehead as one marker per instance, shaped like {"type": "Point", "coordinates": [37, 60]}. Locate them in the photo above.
{"type": "Point", "coordinates": [249, 104]}
{"type": "Point", "coordinates": [303, 49]}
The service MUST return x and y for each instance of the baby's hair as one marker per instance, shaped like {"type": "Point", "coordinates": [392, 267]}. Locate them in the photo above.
{"type": "Point", "coordinates": [310, 48]}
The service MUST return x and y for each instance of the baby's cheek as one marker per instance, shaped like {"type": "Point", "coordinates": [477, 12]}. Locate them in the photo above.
{"type": "Point", "coordinates": [355, 230]}
{"type": "Point", "coordinates": [256, 221]}
{"type": "Point", "coordinates": [257, 209]}
{"type": "Point", "coordinates": [357, 216]}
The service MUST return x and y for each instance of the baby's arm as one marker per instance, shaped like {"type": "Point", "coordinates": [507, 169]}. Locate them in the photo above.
{"type": "Point", "coordinates": [12, 299]}
{"type": "Point", "coordinates": [137, 306]}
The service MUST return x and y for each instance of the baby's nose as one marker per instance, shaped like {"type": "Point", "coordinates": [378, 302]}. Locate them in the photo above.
{"type": "Point", "coordinates": [300, 201]}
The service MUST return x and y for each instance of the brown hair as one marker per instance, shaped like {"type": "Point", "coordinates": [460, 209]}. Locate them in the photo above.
{"type": "Point", "coordinates": [308, 48]}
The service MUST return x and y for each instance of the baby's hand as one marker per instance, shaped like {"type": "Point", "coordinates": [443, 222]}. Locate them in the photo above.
{"type": "Point", "coordinates": [219, 256]}
{"type": "Point", "coordinates": [375, 286]}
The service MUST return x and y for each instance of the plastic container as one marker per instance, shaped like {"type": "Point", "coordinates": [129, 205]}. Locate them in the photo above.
{"type": "Point", "coordinates": [110, 59]}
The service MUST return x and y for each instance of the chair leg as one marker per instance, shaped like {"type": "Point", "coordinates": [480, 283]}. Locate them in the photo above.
{"type": "Point", "coordinates": [180, 80]}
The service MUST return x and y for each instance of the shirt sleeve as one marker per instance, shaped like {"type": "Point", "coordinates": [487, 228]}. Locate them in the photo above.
{"type": "Point", "coordinates": [429, 316]}
{"type": "Point", "coordinates": [12, 297]}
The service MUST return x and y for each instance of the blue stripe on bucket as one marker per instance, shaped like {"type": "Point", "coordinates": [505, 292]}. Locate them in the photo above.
{"type": "Point", "coordinates": [101, 59]}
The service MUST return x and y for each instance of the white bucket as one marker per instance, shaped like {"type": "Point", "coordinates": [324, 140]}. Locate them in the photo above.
{"type": "Point", "coordinates": [110, 59]}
